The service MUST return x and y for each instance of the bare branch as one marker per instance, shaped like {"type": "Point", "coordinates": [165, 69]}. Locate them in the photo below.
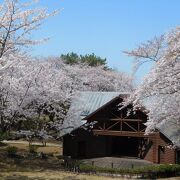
{"type": "Point", "coordinates": [152, 50]}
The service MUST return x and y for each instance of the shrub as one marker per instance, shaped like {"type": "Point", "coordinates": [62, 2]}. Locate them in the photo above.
{"type": "Point", "coordinates": [156, 171]}
{"type": "Point", "coordinates": [12, 151]}
{"type": "Point", "coordinates": [4, 135]}
{"type": "Point", "coordinates": [33, 149]}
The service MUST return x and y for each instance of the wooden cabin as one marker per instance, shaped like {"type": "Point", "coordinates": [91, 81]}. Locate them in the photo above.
{"type": "Point", "coordinates": [105, 130]}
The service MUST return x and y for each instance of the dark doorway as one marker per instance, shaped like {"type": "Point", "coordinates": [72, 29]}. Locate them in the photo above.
{"type": "Point", "coordinates": [81, 149]}
{"type": "Point", "coordinates": [178, 157]}
{"type": "Point", "coordinates": [125, 146]}
{"type": "Point", "coordinates": [161, 150]}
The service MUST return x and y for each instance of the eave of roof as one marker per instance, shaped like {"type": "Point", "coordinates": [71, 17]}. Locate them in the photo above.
{"type": "Point", "coordinates": [84, 104]}
{"type": "Point", "coordinates": [108, 103]}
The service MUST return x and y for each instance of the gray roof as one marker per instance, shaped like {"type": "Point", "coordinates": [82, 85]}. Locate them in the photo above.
{"type": "Point", "coordinates": [94, 100]}
{"type": "Point", "coordinates": [171, 130]}
{"type": "Point", "coordinates": [84, 104]}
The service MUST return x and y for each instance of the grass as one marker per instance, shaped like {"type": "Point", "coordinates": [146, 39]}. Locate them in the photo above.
{"type": "Point", "coordinates": [24, 146]}
{"type": "Point", "coordinates": [50, 150]}
{"type": "Point", "coordinates": [53, 175]}
{"type": "Point", "coordinates": [57, 175]}
{"type": "Point", "coordinates": [19, 146]}
{"type": "Point", "coordinates": [25, 161]}
{"type": "Point", "coordinates": [40, 169]}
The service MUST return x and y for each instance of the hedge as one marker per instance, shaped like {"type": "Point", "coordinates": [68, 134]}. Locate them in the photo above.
{"type": "Point", "coordinates": [156, 171]}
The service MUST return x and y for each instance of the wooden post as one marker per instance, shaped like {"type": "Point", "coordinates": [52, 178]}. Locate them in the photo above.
{"type": "Point", "coordinates": [121, 125]}
{"type": "Point", "coordinates": [121, 121]}
{"type": "Point", "coordinates": [104, 127]}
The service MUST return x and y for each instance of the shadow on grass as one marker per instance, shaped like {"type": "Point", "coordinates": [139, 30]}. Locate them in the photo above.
{"type": "Point", "coordinates": [15, 177]}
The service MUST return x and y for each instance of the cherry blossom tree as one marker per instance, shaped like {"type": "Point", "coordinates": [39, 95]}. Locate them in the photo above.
{"type": "Point", "coordinates": [17, 22]}
{"type": "Point", "coordinates": [32, 90]}
{"type": "Point", "coordinates": [18, 75]}
{"type": "Point", "coordinates": [86, 78]}
{"type": "Point", "coordinates": [36, 95]}
{"type": "Point", "coordinates": [160, 91]}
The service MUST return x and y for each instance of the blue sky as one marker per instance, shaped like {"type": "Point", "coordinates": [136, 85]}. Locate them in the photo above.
{"type": "Point", "coordinates": [106, 27]}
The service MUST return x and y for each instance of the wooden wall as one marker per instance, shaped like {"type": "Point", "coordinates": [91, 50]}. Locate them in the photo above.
{"type": "Point", "coordinates": [100, 146]}
{"type": "Point", "coordinates": [159, 151]}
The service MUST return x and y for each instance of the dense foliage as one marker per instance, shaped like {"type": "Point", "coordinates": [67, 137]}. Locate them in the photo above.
{"type": "Point", "coordinates": [88, 59]}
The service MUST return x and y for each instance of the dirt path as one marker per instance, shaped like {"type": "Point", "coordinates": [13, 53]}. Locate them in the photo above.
{"type": "Point", "coordinates": [34, 143]}
{"type": "Point", "coordinates": [117, 162]}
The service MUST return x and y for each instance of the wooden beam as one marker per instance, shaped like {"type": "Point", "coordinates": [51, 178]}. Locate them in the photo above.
{"type": "Point", "coordinates": [120, 133]}
{"type": "Point", "coordinates": [130, 120]}
{"type": "Point", "coordinates": [143, 130]}
{"type": "Point", "coordinates": [104, 125]}
{"type": "Point", "coordinates": [113, 125]}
